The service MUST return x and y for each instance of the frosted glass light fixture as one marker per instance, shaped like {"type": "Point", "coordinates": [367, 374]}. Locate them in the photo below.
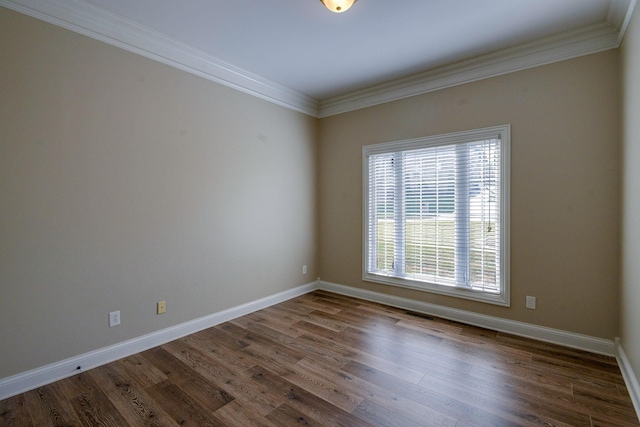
{"type": "Point", "coordinates": [338, 6]}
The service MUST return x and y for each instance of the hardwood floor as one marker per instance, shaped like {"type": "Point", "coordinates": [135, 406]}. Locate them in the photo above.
{"type": "Point", "coordinates": [328, 360]}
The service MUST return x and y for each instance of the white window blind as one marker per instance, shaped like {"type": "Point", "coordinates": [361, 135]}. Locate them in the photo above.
{"type": "Point", "coordinates": [436, 214]}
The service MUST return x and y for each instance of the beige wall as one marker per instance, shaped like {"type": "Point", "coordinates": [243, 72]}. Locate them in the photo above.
{"type": "Point", "coordinates": [564, 186]}
{"type": "Point", "coordinates": [124, 182]}
{"type": "Point", "coordinates": [630, 293]}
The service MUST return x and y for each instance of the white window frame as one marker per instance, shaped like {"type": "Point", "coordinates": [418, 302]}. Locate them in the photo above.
{"type": "Point", "coordinates": [503, 133]}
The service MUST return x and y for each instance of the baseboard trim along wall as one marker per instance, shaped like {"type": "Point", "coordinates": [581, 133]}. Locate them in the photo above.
{"type": "Point", "coordinates": [555, 336]}
{"type": "Point", "coordinates": [630, 378]}
{"type": "Point", "coordinates": [38, 377]}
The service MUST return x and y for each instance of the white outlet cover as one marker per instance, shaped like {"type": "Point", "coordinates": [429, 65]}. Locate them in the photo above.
{"type": "Point", "coordinates": [531, 302]}
{"type": "Point", "coordinates": [114, 318]}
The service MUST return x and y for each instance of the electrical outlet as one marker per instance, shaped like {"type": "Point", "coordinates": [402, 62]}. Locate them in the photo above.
{"type": "Point", "coordinates": [304, 269]}
{"type": "Point", "coordinates": [531, 303]}
{"type": "Point", "coordinates": [114, 318]}
{"type": "Point", "coordinates": [162, 307]}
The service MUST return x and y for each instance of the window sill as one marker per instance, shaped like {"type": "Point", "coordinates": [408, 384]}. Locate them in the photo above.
{"type": "Point", "coordinates": [458, 292]}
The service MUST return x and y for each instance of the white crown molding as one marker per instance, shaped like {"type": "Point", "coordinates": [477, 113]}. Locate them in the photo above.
{"type": "Point", "coordinates": [91, 21]}
{"type": "Point", "coordinates": [38, 377]}
{"type": "Point", "coordinates": [620, 15]}
{"type": "Point", "coordinates": [96, 23]}
{"type": "Point", "coordinates": [618, 12]}
{"type": "Point", "coordinates": [630, 378]}
{"type": "Point", "coordinates": [555, 336]}
{"type": "Point", "coordinates": [568, 45]}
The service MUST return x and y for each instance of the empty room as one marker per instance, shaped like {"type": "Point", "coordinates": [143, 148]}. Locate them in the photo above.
{"type": "Point", "coordinates": [320, 213]}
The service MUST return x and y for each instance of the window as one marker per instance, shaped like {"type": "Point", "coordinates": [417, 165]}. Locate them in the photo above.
{"type": "Point", "coordinates": [436, 214]}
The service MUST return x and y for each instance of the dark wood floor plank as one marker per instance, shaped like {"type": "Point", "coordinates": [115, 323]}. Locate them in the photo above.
{"type": "Point", "coordinates": [285, 415]}
{"type": "Point", "coordinates": [268, 345]}
{"type": "Point", "coordinates": [366, 320]}
{"type": "Point", "coordinates": [351, 301]}
{"type": "Point", "coordinates": [547, 349]}
{"type": "Point", "coordinates": [623, 390]}
{"type": "Point", "coordinates": [598, 421]}
{"type": "Point", "coordinates": [319, 344]}
{"type": "Point", "coordinates": [238, 414]}
{"type": "Point", "coordinates": [528, 374]}
{"type": "Point", "coordinates": [14, 412]}
{"type": "Point", "coordinates": [370, 343]}
{"type": "Point", "coordinates": [140, 372]}
{"type": "Point", "coordinates": [95, 409]}
{"type": "Point", "coordinates": [322, 387]}
{"type": "Point", "coordinates": [504, 402]}
{"type": "Point", "coordinates": [475, 331]}
{"type": "Point", "coordinates": [277, 312]}
{"type": "Point", "coordinates": [135, 405]}
{"type": "Point", "coordinates": [305, 402]}
{"type": "Point", "coordinates": [603, 371]}
{"type": "Point", "coordinates": [278, 361]}
{"type": "Point", "coordinates": [391, 332]}
{"type": "Point", "coordinates": [483, 352]}
{"type": "Point", "coordinates": [275, 324]}
{"type": "Point", "coordinates": [415, 336]}
{"type": "Point", "coordinates": [344, 349]}
{"type": "Point", "coordinates": [543, 398]}
{"type": "Point", "coordinates": [601, 404]}
{"type": "Point", "coordinates": [78, 384]}
{"type": "Point", "coordinates": [599, 392]}
{"type": "Point", "coordinates": [250, 337]}
{"type": "Point", "coordinates": [430, 398]}
{"type": "Point", "coordinates": [343, 304]}
{"type": "Point", "coordinates": [208, 394]}
{"type": "Point", "coordinates": [308, 302]}
{"type": "Point", "coordinates": [421, 324]}
{"type": "Point", "coordinates": [325, 359]}
{"type": "Point", "coordinates": [232, 359]}
{"type": "Point", "coordinates": [428, 361]}
{"type": "Point", "coordinates": [397, 369]}
{"type": "Point", "coordinates": [49, 406]}
{"type": "Point", "coordinates": [293, 307]}
{"type": "Point", "coordinates": [379, 416]}
{"type": "Point", "coordinates": [215, 335]}
{"type": "Point", "coordinates": [235, 382]}
{"type": "Point", "coordinates": [184, 410]}
{"type": "Point", "coordinates": [380, 396]}
{"type": "Point", "coordinates": [325, 320]}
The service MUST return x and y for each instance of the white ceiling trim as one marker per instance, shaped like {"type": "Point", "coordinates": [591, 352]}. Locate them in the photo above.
{"type": "Point", "coordinates": [620, 15]}
{"type": "Point", "coordinates": [585, 41]}
{"type": "Point", "coordinates": [96, 23]}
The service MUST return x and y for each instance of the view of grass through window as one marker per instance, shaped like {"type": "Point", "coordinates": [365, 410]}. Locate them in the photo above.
{"type": "Point", "coordinates": [433, 212]}
{"type": "Point", "coordinates": [430, 250]}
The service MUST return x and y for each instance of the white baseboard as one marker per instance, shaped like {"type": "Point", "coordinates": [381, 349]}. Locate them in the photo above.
{"type": "Point", "coordinates": [556, 336]}
{"type": "Point", "coordinates": [30, 380]}
{"type": "Point", "coordinates": [38, 377]}
{"type": "Point", "coordinates": [630, 378]}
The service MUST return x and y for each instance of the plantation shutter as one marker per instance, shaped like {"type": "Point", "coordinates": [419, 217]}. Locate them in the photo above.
{"type": "Point", "coordinates": [434, 214]}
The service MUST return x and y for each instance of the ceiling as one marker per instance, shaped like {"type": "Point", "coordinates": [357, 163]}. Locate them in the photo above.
{"type": "Point", "coordinates": [299, 54]}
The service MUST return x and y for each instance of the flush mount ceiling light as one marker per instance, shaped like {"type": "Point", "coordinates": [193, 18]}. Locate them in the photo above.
{"type": "Point", "coordinates": [338, 6]}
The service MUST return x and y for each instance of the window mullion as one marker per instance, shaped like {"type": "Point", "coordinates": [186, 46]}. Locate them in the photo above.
{"type": "Point", "coordinates": [372, 222]}
{"type": "Point", "coordinates": [462, 215]}
{"type": "Point", "coordinates": [399, 261]}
